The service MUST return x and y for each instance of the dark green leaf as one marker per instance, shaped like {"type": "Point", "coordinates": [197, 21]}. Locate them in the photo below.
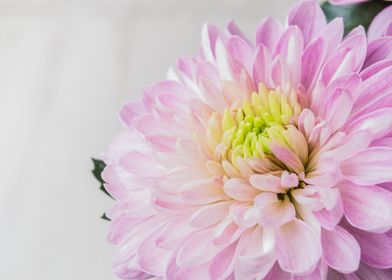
{"type": "Point", "coordinates": [354, 15]}
{"type": "Point", "coordinates": [104, 217]}
{"type": "Point", "coordinates": [99, 166]}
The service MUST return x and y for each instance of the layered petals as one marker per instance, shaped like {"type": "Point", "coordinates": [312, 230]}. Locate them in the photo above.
{"type": "Point", "coordinates": [265, 159]}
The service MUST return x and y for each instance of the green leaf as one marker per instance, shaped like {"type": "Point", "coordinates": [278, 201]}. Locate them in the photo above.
{"type": "Point", "coordinates": [104, 217]}
{"type": "Point", "coordinates": [354, 15]}
{"type": "Point", "coordinates": [99, 166]}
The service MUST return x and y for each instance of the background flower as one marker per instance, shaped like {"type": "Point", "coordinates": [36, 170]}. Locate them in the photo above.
{"type": "Point", "coordinates": [259, 161]}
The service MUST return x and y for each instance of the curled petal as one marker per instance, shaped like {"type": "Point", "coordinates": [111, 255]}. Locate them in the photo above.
{"type": "Point", "coordinates": [367, 207]}
{"type": "Point", "coordinates": [341, 250]}
{"type": "Point", "coordinates": [298, 248]}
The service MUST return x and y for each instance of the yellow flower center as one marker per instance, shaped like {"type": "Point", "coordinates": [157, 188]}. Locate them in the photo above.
{"type": "Point", "coordinates": [250, 125]}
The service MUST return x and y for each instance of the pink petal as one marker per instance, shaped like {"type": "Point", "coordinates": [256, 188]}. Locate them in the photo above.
{"type": "Point", "coordinates": [280, 73]}
{"type": "Point", "coordinates": [354, 143]}
{"type": "Point", "coordinates": [239, 190]}
{"type": "Point", "coordinates": [123, 143]}
{"type": "Point", "coordinates": [209, 36]}
{"type": "Point", "coordinates": [289, 179]}
{"type": "Point", "coordinates": [287, 157]}
{"type": "Point", "coordinates": [130, 111]}
{"type": "Point", "coordinates": [255, 261]}
{"type": "Point", "coordinates": [254, 267]}
{"type": "Point", "coordinates": [210, 214]}
{"type": "Point", "coordinates": [162, 143]}
{"type": "Point", "coordinates": [368, 167]}
{"type": "Point", "coordinates": [367, 207]}
{"type": "Point", "coordinates": [312, 59]}
{"type": "Point", "coordinates": [320, 272]}
{"type": "Point", "coordinates": [262, 66]}
{"type": "Point", "coordinates": [376, 248]}
{"type": "Point", "coordinates": [186, 66]}
{"type": "Point", "coordinates": [367, 272]}
{"type": "Point", "coordinates": [268, 33]}
{"type": "Point", "coordinates": [203, 191]}
{"type": "Point", "coordinates": [212, 95]}
{"type": "Point", "coordinates": [348, 57]}
{"type": "Point", "coordinates": [309, 17]}
{"type": "Point", "coordinates": [235, 30]}
{"type": "Point", "coordinates": [277, 273]}
{"type": "Point", "coordinates": [338, 108]}
{"type": "Point", "coordinates": [333, 34]}
{"type": "Point", "coordinates": [378, 123]}
{"type": "Point", "coordinates": [306, 122]}
{"type": "Point", "coordinates": [341, 250]}
{"type": "Point", "coordinates": [206, 71]}
{"type": "Point", "coordinates": [381, 25]}
{"type": "Point", "coordinates": [224, 62]}
{"type": "Point", "coordinates": [151, 258]}
{"type": "Point", "coordinates": [240, 50]}
{"type": "Point", "coordinates": [375, 68]}
{"type": "Point", "coordinates": [222, 265]}
{"type": "Point", "coordinates": [142, 164]}
{"type": "Point", "coordinates": [174, 234]}
{"type": "Point", "coordinates": [196, 250]}
{"type": "Point", "coordinates": [334, 275]}
{"type": "Point", "coordinates": [266, 183]}
{"type": "Point", "coordinates": [379, 49]}
{"type": "Point", "coordinates": [327, 174]}
{"type": "Point", "coordinates": [349, 83]}
{"type": "Point", "coordinates": [298, 248]}
{"type": "Point", "coordinates": [374, 87]}
{"type": "Point", "coordinates": [272, 211]}
{"type": "Point", "coordinates": [330, 218]}
{"type": "Point", "coordinates": [175, 272]}
{"type": "Point", "coordinates": [290, 47]}
{"type": "Point", "coordinates": [165, 87]}
{"type": "Point", "coordinates": [243, 214]}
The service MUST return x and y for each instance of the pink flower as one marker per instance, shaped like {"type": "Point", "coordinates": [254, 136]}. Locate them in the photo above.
{"type": "Point", "coordinates": [265, 160]}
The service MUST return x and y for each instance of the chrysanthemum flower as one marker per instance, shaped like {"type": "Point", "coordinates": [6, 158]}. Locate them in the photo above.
{"type": "Point", "coordinates": [266, 160]}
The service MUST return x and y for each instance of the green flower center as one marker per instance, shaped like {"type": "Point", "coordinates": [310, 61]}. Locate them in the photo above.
{"type": "Point", "coordinates": [249, 127]}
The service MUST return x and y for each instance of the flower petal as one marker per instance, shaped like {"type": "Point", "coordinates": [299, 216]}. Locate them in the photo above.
{"type": "Point", "coordinates": [377, 50]}
{"type": "Point", "coordinates": [277, 273]}
{"type": "Point", "coordinates": [378, 123]}
{"type": "Point", "coordinates": [210, 214]}
{"type": "Point", "coordinates": [367, 207]}
{"type": "Point", "coordinates": [367, 272]}
{"type": "Point", "coordinates": [239, 190]}
{"type": "Point", "coordinates": [381, 25]}
{"type": "Point", "coordinates": [262, 66]}
{"type": "Point", "coordinates": [203, 191]}
{"type": "Point", "coordinates": [266, 183]}
{"type": "Point", "coordinates": [298, 248]}
{"type": "Point", "coordinates": [341, 250]}
{"type": "Point", "coordinates": [268, 32]}
{"type": "Point", "coordinates": [309, 17]}
{"type": "Point", "coordinates": [273, 212]}
{"type": "Point", "coordinates": [371, 166]}
{"type": "Point", "coordinates": [312, 59]}
{"type": "Point", "coordinates": [330, 218]}
{"type": "Point", "coordinates": [376, 248]}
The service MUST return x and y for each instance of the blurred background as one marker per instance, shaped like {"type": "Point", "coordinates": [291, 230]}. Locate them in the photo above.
{"type": "Point", "coordinates": [66, 67]}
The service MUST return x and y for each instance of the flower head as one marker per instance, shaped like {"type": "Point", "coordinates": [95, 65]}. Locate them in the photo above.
{"type": "Point", "coordinates": [270, 160]}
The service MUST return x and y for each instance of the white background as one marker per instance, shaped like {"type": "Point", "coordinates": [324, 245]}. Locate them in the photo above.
{"type": "Point", "coordinates": [65, 69]}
